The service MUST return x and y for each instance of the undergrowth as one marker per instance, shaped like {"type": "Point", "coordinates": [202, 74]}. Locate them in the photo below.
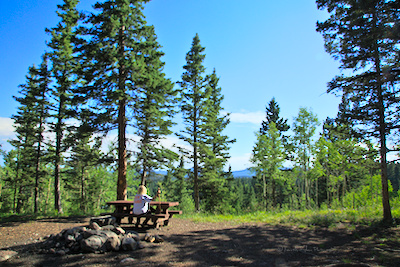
{"type": "Point", "coordinates": [302, 218]}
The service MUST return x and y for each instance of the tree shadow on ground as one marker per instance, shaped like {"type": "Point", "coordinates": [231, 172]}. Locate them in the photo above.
{"type": "Point", "coordinates": [15, 220]}
{"type": "Point", "coordinates": [245, 245]}
{"type": "Point", "coordinates": [277, 246]}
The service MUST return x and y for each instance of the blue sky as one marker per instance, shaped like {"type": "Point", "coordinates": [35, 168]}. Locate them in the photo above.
{"type": "Point", "coordinates": [260, 49]}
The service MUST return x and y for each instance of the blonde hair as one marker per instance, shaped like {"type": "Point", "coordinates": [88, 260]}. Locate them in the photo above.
{"type": "Point", "coordinates": [142, 190]}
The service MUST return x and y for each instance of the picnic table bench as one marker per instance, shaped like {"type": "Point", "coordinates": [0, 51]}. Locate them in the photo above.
{"type": "Point", "coordinates": [160, 214]}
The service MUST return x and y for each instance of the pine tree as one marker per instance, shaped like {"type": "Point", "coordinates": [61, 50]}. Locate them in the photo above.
{"type": "Point", "coordinates": [30, 122]}
{"type": "Point", "coordinates": [85, 156]}
{"type": "Point", "coordinates": [193, 86]}
{"type": "Point", "coordinates": [363, 36]}
{"type": "Point", "coordinates": [114, 61]}
{"type": "Point", "coordinates": [183, 193]}
{"type": "Point", "coordinates": [63, 68]}
{"type": "Point", "coordinates": [153, 109]}
{"type": "Point", "coordinates": [272, 115]}
{"type": "Point", "coordinates": [213, 147]}
{"type": "Point", "coordinates": [10, 181]}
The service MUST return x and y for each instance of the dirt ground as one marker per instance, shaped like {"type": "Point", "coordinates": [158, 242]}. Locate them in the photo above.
{"type": "Point", "coordinates": [188, 243]}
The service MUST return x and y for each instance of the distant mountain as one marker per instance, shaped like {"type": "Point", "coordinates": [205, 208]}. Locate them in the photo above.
{"type": "Point", "coordinates": [161, 172]}
{"type": "Point", "coordinates": [247, 173]}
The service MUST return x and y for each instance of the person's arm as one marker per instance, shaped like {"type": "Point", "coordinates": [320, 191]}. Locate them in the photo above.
{"type": "Point", "coordinates": [147, 198]}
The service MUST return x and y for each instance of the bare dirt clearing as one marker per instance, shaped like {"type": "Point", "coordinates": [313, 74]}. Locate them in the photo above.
{"type": "Point", "coordinates": [188, 243]}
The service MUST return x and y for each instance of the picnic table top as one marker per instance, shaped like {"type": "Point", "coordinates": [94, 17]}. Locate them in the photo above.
{"type": "Point", "coordinates": [130, 202]}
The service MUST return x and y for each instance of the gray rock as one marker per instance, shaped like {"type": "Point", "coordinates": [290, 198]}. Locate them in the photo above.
{"type": "Point", "coordinates": [158, 239]}
{"type": "Point", "coordinates": [60, 252]}
{"type": "Point", "coordinates": [149, 238]}
{"type": "Point", "coordinates": [108, 234]}
{"type": "Point", "coordinates": [118, 230]}
{"type": "Point", "coordinates": [127, 262]}
{"type": "Point", "coordinates": [69, 238]}
{"type": "Point", "coordinates": [6, 254]}
{"type": "Point", "coordinates": [128, 243]}
{"type": "Point", "coordinates": [108, 228]}
{"type": "Point", "coordinates": [90, 232]}
{"type": "Point", "coordinates": [93, 243]}
{"type": "Point", "coordinates": [103, 220]}
{"type": "Point", "coordinates": [94, 226]}
{"type": "Point", "coordinates": [74, 230]}
{"type": "Point", "coordinates": [112, 244]}
{"type": "Point", "coordinates": [133, 235]}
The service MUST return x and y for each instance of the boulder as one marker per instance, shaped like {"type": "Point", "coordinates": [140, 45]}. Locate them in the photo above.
{"type": "Point", "coordinates": [6, 254]}
{"type": "Point", "coordinates": [127, 262]}
{"type": "Point", "coordinates": [133, 235]}
{"type": "Point", "coordinates": [74, 230]}
{"type": "Point", "coordinates": [82, 239]}
{"type": "Point", "coordinates": [128, 243]}
{"type": "Point", "coordinates": [93, 243]}
{"type": "Point", "coordinates": [94, 226]}
{"type": "Point", "coordinates": [112, 244]}
{"type": "Point", "coordinates": [103, 220]}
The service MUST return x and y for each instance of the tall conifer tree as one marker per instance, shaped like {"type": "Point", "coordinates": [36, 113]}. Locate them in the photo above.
{"type": "Point", "coordinates": [63, 68]}
{"type": "Point", "coordinates": [29, 123]}
{"type": "Point", "coordinates": [153, 109]}
{"type": "Point", "coordinates": [193, 86]}
{"type": "Point", "coordinates": [117, 56]}
{"type": "Point", "coordinates": [363, 35]}
{"type": "Point", "coordinates": [213, 147]}
{"type": "Point", "coordinates": [272, 115]}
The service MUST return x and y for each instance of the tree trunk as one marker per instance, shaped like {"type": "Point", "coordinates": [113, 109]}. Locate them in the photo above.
{"type": "Point", "coordinates": [344, 187]}
{"type": "Point", "coordinates": [273, 193]}
{"type": "Point", "coordinates": [38, 156]}
{"type": "Point", "coordinates": [144, 176]}
{"type": "Point", "coordinates": [59, 135]}
{"type": "Point", "coordinates": [47, 196]}
{"type": "Point", "coordinates": [307, 190]}
{"type": "Point", "coordinates": [316, 192]}
{"type": "Point", "coordinates": [145, 171]}
{"type": "Point", "coordinates": [36, 193]}
{"type": "Point", "coordinates": [122, 164]}
{"type": "Point", "coordinates": [265, 192]}
{"type": "Point", "coordinates": [387, 214]}
{"type": "Point", "coordinates": [196, 175]}
{"type": "Point", "coordinates": [37, 171]}
{"type": "Point", "coordinates": [83, 202]}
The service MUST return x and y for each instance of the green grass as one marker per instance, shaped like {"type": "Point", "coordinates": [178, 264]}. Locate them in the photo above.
{"type": "Point", "coordinates": [300, 218]}
{"type": "Point", "coordinates": [303, 218]}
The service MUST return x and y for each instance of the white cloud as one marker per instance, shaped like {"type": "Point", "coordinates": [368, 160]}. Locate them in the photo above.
{"type": "Point", "coordinates": [247, 117]}
{"type": "Point", "coordinates": [172, 142]}
{"type": "Point", "coordinates": [241, 162]}
{"type": "Point", "coordinates": [6, 127]}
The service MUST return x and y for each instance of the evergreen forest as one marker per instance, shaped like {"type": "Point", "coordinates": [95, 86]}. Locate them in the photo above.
{"type": "Point", "coordinates": [102, 73]}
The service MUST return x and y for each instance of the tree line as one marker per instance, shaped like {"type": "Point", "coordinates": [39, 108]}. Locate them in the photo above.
{"type": "Point", "coordinates": [103, 72]}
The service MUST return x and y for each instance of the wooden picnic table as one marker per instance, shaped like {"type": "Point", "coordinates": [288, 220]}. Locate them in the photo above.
{"type": "Point", "coordinates": [160, 212]}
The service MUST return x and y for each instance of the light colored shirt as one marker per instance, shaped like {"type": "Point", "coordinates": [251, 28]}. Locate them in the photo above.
{"type": "Point", "coordinates": [141, 204]}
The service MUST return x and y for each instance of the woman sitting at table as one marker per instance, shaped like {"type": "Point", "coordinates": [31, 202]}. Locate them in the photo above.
{"type": "Point", "coordinates": [141, 204]}
{"type": "Point", "coordinates": [141, 201]}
